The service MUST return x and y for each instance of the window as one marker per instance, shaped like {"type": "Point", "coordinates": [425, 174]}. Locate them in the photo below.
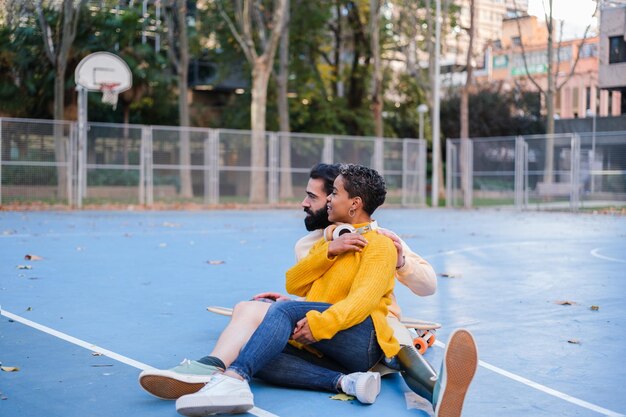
{"type": "Point", "coordinates": [617, 49]}
{"type": "Point", "coordinates": [517, 41]}
{"type": "Point", "coordinates": [588, 99]}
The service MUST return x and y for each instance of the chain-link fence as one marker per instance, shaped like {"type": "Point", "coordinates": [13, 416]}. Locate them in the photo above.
{"type": "Point", "coordinates": [564, 170]}
{"type": "Point", "coordinates": [52, 162]}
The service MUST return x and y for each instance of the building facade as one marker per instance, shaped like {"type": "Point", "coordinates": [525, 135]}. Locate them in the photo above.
{"type": "Point", "coordinates": [612, 50]}
{"type": "Point", "coordinates": [520, 61]}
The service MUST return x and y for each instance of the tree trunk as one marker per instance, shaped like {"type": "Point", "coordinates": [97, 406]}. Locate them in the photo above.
{"type": "Point", "coordinates": [186, 189]}
{"type": "Point", "coordinates": [260, 77]}
{"type": "Point", "coordinates": [377, 76]}
{"type": "Point", "coordinates": [549, 162]}
{"type": "Point", "coordinates": [286, 186]}
{"type": "Point", "coordinates": [466, 185]}
{"type": "Point", "coordinates": [60, 141]}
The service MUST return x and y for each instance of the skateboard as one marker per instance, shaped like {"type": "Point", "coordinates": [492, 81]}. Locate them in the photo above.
{"type": "Point", "coordinates": [423, 332]}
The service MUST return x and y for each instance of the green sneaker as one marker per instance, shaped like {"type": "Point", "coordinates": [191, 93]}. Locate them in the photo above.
{"type": "Point", "coordinates": [460, 361]}
{"type": "Point", "coordinates": [170, 384]}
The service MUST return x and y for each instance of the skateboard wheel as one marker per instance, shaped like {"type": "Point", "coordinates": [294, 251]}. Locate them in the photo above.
{"type": "Point", "coordinates": [420, 344]}
{"type": "Point", "coordinates": [431, 339]}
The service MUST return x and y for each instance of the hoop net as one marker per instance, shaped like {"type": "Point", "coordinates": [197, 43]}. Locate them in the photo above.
{"type": "Point", "coordinates": [109, 93]}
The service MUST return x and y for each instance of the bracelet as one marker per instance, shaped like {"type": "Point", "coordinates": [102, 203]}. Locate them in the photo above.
{"type": "Point", "coordinates": [403, 263]}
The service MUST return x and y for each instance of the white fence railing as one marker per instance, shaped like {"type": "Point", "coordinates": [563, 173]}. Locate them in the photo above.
{"type": "Point", "coordinates": [52, 162]}
{"type": "Point", "coordinates": [565, 170]}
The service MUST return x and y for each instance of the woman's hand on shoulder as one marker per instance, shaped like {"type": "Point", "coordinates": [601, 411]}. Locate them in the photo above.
{"type": "Point", "coordinates": [397, 243]}
{"type": "Point", "coordinates": [348, 242]}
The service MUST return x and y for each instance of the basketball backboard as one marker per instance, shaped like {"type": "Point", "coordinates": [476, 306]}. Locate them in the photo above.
{"type": "Point", "coordinates": [103, 69]}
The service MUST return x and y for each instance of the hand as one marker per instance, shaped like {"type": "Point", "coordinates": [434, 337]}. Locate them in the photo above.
{"type": "Point", "coordinates": [348, 242]}
{"type": "Point", "coordinates": [302, 333]}
{"type": "Point", "coordinates": [272, 296]}
{"type": "Point", "coordinates": [396, 242]}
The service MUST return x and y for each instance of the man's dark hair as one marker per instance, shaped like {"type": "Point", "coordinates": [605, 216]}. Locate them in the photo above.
{"type": "Point", "coordinates": [327, 173]}
{"type": "Point", "coordinates": [364, 182]}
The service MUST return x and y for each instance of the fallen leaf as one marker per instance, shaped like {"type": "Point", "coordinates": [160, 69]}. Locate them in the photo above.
{"type": "Point", "coordinates": [446, 275]}
{"type": "Point", "coordinates": [24, 267]}
{"type": "Point", "coordinates": [29, 257]}
{"type": "Point", "coordinates": [565, 303]}
{"type": "Point", "coordinates": [215, 262]}
{"type": "Point", "coordinates": [100, 366]}
{"type": "Point", "coordinates": [574, 341]}
{"type": "Point", "coordinates": [594, 308]}
{"type": "Point", "coordinates": [342, 397]}
{"type": "Point", "coordinates": [29, 309]}
{"type": "Point", "coordinates": [96, 354]}
{"type": "Point", "coordinates": [9, 368]}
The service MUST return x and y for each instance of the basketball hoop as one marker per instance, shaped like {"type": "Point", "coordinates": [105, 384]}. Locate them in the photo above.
{"type": "Point", "coordinates": [109, 93]}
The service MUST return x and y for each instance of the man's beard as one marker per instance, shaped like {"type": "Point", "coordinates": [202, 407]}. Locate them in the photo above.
{"type": "Point", "coordinates": [316, 219]}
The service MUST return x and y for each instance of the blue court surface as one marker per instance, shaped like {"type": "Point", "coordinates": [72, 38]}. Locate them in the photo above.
{"type": "Point", "coordinates": [117, 292]}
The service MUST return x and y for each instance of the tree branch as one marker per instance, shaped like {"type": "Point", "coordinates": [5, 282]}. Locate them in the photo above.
{"type": "Point", "coordinates": [246, 45]}
{"type": "Point", "coordinates": [46, 33]}
{"type": "Point", "coordinates": [519, 32]}
{"type": "Point", "coordinates": [171, 30]}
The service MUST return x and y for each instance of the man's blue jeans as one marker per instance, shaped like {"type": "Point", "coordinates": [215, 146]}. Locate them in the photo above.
{"type": "Point", "coordinates": [355, 349]}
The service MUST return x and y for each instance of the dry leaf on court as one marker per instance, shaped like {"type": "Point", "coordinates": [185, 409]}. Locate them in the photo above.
{"type": "Point", "coordinates": [447, 275]}
{"type": "Point", "coordinates": [30, 257]}
{"type": "Point", "coordinates": [216, 262]}
{"type": "Point", "coordinates": [96, 354]}
{"type": "Point", "coordinates": [9, 368]}
{"type": "Point", "coordinates": [574, 341]}
{"type": "Point", "coordinates": [594, 308]}
{"type": "Point", "coordinates": [24, 267]}
{"type": "Point", "coordinates": [565, 303]}
{"type": "Point", "coordinates": [342, 397]}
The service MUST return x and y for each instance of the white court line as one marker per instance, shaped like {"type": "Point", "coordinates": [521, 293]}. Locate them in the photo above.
{"type": "Point", "coordinates": [94, 348]}
{"type": "Point", "coordinates": [596, 253]}
{"type": "Point", "coordinates": [543, 388]}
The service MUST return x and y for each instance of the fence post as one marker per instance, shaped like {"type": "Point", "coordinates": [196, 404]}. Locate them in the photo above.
{"type": "Point", "coordinates": [327, 152]}
{"type": "Point", "coordinates": [405, 174]}
{"type": "Point", "coordinates": [146, 177]}
{"type": "Point", "coordinates": [273, 168]}
{"type": "Point", "coordinates": [574, 200]}
{"type": "Point", "coordinates": [519, 173]}
{"type": "Point", "coordinates": [467, 171]}
{"type": "Point", "coordinates": [450, 148]}
{"type": "Point", "coordinates": [71, 169]}
{"type": "Point", "coordinates": [379, 163]}
{"type": "Point", "coordinates": [421, 167]}
{"type": "Point", "coordinates": [211, 173]}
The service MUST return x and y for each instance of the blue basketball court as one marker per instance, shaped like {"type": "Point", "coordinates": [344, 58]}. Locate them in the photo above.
{"type": "Point", "coordinates": [117, 292]}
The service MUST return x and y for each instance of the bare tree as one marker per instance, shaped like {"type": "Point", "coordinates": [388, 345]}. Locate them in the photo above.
{"type": "Point", "coordinates": [175, 14]}
{"type": "Point", "coordinates": [282, 78]}
{"type": "Point", "coordinates": [466, 186]}
{"type": "Point", "coordinates": [249, 13]}
{"type": "Point", "coordinates": [554, 87]}
{"type": "Point", "coordinates": [57, 43]}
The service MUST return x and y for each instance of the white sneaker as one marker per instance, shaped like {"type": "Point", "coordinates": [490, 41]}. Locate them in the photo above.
{"type": "Point", "coordinates": [365, 386]}
{"type": "Point", "coordinates": [221, 395]}
{"type": "Point", "coordinates": [171, 384]}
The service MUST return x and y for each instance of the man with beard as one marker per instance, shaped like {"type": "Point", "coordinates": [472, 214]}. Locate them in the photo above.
{"type": "Point", "coordinates": [411, 270]}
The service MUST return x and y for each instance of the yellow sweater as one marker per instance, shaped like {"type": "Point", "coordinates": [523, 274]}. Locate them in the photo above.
{"type": "Point", "coordinates": [358, 284]}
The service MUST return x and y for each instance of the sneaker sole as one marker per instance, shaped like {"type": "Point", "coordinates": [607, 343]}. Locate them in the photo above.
{"type": "Point", "coordinates": [194, 405]}
{"type": "Point", "coordinates": [368, 391]}
{"type": "Point", "coordinates": [171, 388]}
{"type": "Point", "coordinates": [461, 360]}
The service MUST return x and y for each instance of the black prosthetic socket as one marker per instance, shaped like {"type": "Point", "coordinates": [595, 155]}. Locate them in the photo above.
{"type": "Point", "coordinates": [213, 361]}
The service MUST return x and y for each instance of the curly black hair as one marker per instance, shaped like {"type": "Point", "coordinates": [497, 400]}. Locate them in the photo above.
{"type": "Point", "coordinates": [364, 182]}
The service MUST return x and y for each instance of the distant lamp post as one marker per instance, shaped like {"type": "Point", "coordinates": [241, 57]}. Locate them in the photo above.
{"type": "Point", "coordinates": [421, 109]}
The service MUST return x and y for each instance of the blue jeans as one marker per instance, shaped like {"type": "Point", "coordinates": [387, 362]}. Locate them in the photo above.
{"type": "Point", "coordinates": [355, 350]}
